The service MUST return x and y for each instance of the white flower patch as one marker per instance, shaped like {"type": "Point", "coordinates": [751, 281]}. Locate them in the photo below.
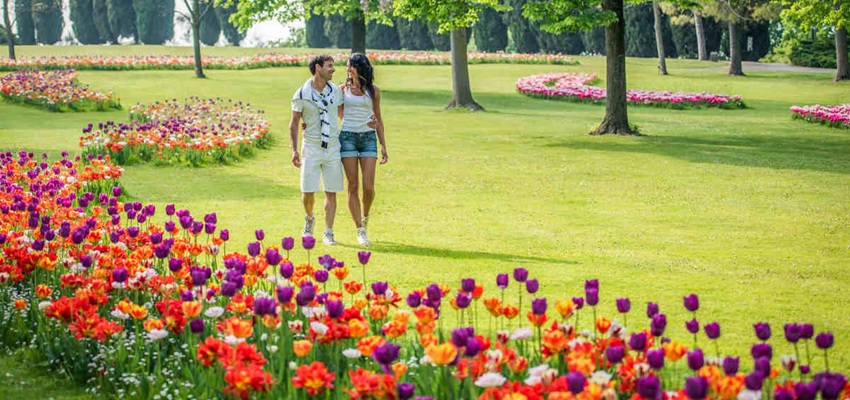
{"type": "Point", "coordinates": [214, 312]}
{"type": "Point", "coordinates": [157, 334]}
{"type": "Point", "coordinates": [521, 334]}
{"type": "Point", "coordinates": [351, 353]}
{"type": "Point", "coordinates": [490, 379]}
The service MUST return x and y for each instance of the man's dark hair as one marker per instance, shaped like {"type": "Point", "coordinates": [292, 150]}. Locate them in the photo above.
{"type": "Point", "coordinates": [318, 60]}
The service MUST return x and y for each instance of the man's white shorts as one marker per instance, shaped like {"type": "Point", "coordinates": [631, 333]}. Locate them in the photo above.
{"type": "Point", "coordinates": [317, 163]}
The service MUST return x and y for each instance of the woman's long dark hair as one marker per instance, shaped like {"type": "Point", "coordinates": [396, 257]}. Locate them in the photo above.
{"type": "Point", "coordinates": [365, 73]}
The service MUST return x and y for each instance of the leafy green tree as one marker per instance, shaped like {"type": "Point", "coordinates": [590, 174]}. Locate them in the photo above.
{"type": "Point", "coordinates": [640, 39]}
{"type": "Point", "coordinates": [594, 40]}
{"type": "Point", "coordinates": [825, 13]}
{"type": "Point", "coordinates": [315, 31]}
{"type": "Point", "coordinates": [338, 30]}
{"type": "Point", "coordinates": [122, 18]}
{"type": "Point", "coordinates": [154, 20]}
{"type": "Point", "coordinates": [441, 41]}
{"type": "Point", "coordinates": [572, 15]}
{"type": "Point", "coordinates": [197, 9]}
{"type": "Point", "coordinates": [23, 21]}
{"type": "Point", "coordinates": [736, 13]}
{"type": "Point", "coordinates": [82, 16]}
{"type": "Point", "coordinates": [231, 31]}
{"type": "Point", "coordinates": [382, 36]}
{"type": "Point", "coordinates": [210, 29]}
{"type": "Point", "coordinates": [520, 28]}
{"type": "Point", "coordinates": [7, 29]}
{"type": "Point", "coordinates": [563, 43]}
{"type": "Point", "coordinates": [491, 32]}
{"type": "Point", "coordinates": [100, 15]}
{"type": "Point", "coordinates": [47, 17]}
{"type": "Point", "coordinates": [453, 16]}
{"type": "Point", "coordinates": [413, 34]}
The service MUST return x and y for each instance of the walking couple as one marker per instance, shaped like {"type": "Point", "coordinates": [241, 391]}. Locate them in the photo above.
{"type": "Point", "coordinates": [327, 150]}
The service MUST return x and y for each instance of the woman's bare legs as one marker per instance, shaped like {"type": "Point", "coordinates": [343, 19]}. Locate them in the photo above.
{"type": "Point", "coordinates": [367, 165]}
{"type": "Point", "coordinates": [352, 175]}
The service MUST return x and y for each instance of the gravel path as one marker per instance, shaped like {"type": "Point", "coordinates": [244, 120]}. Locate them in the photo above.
{"type": "Point", "coordinates": [752, 66]}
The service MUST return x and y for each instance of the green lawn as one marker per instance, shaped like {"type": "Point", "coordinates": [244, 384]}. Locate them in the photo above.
{"type": "Point", "coordinates": [747, 208]}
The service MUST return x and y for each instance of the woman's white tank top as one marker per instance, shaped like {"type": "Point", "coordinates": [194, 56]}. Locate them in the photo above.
{"type": "Point", "coordinates": [357, 112]}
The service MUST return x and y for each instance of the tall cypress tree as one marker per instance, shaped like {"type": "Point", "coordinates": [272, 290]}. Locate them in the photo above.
{"type": "Point", "coordinates": [82, 16]}
{"type": "Point", "coordinates": [315, 32]}
{"type": "Point", "coordinates": [231, 32]}
{"type": "Point", "coordinates": [640, 36]}
{"type": "Point", "coordinates": [338, 30]}
{"type": "Point", "coordinates": [47, 17]}
{"type": "Point", "coordinates": [100, 15]}
{"type": "Point", "coordinates": [122, 18]}
{"type": "Point", "coordinates": [413, 34]}
{"type": "Point", "coordinates": [25, 25]}
{"type": "Point", "coordinates": [154, 20]}
{"type": "Point", "coordinates": [381, 36]}
{"type": "Point", "coordinates": [210, 29]}
{"type": "Point", "coordinates": [521, 29]}
{"type": "Point", "coordinates": [563, 43]}
{"type": "Point", "coordinates": [441, 41]}
{"type": "Point", "coordinates": [491, 32]}
{"type": "Point", "coordinates": [594, 40]}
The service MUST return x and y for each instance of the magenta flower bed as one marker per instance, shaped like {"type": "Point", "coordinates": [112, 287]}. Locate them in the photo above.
{"type": "Point", "coordinates": [837, 116]}
{"type": "Point", "coordinates": [574, 87]}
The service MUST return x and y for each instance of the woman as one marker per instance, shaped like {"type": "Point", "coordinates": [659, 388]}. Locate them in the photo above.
{"type": "Point", "coordinates": [360, 113]}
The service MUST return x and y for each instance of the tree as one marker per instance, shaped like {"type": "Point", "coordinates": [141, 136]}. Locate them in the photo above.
{"type": "Point", "coordinates": [521, 29]}
{"type": "Point", "coordinates": [315, 32]}
{"type": "Point", "coordinates": [82, 16]}
{"type": "Point", "coordinates": [122, 18]}
{"type": "Point", "coordinates": [640, 37]}
{"type": "Point", "coordinates": [231, 31]}
{"type": "Point", "coordinates": [564, 43]}
{"type": "Point", "coordinates": [7, 26]}
{"type": "Point", "coordinates": [441, 41]}
{"type": "Point", "coordinates": [413, 34]}
{"type": "Point", "coordinates": [491, 33]}
{"type": "Point", "coordinates": [210, 30]}
{"type": "Point", "coordinates": [100, 14]}
{"type": "Point", "coordinates": [735, 13]}
{"type": "Point", "coordinates": [23, 22]}
{"type": "Point", "coordinates": [454, 16]}
{"type": "Point", "coordinates": [47, 18]}
{"type": "Point", "coordinates": [571, 15]}
{"type": "Point", "coordinates": [825, 13]}
{"type": "Point", "coordinates": [197, 10]}
{"type": "Point", "coordinates": [338, 30]}
{"type": "Point", "coordinates": [381, 36]}
{"type": "Point", "coordinates": [154, 20]}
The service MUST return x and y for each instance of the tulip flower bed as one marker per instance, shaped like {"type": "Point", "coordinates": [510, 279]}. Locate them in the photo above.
{"type": "Point", "coordinates": [55, 91]}
{"type": "Point", "coordinates": [574, 87]}
{"type": "Point", "coordinates": [196, 132]}
{"type": "Point", "coordinates": [267, 61]}
{"type": "Point", "coordinates": [139, 309]}
{"type": "Point", "coordinates": [836, 116]}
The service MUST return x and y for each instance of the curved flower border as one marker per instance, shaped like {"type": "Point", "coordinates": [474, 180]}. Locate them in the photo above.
{"type": "Point", "coordinates": [574, 87]}
{"type": "Point", "coordinates": [57, 91]}
{"type": "Point", "coordinates": [197, 132]}
{"type": "Point", "coordinates": [836, 116]}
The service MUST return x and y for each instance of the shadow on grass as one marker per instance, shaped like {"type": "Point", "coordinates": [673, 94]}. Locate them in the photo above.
{"type": "Point", "coordinates": [815, 153]}
{"type": "Point", "coordinates": [391, 247]}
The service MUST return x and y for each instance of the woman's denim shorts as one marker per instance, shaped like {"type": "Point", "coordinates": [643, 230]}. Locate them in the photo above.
{"type": "Point", "coordinates": [358, 144]}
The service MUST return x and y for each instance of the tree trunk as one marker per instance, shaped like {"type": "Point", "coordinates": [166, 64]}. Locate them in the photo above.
{"type": "Point", "coordinates": [196, 37]}
{"type": "Point", "coordinates": [358, 34]}
{"type": "Point", "coordinates": [843, 70]}
{"type": "Point", "coordinates": [659, 40]}
{"type": "Point", "coordinates": [461, 93]}
{"type": "Point", "coordinates": [701, 50]}
{"type": "Point", "coordinates": [735, 67]}
{"type": "Point", "coordinates": [616, 118]}
{"type": "Point", "coordinates": [10, 38]}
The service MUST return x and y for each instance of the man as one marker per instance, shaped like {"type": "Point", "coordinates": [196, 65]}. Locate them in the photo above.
{"type": "Point", "coordinates": [317, 102]}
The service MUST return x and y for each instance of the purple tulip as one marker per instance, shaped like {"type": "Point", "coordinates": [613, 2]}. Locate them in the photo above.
{"type": "Point", "coordinates": [467, 285]}
{"type": "Point", "coordinates": [264, 306]}
{"type": "Point", "coordinates": [133, 231]}
{"type": "Point", "coordinates": [762, 365]}
{"type": "Point", "coordinates": [783, 394]}
{"type": "Point", "coordinates": [502, 281]}
{"type": "Point", "coordinates": [305, 296]}
{"type": "Point", "coordinates": [224, 235]}
{"type": "Point", "coordinates": [692, 326]}
{"type": "Point", "coordinates": [730, 365]}
{"type": "Point", "coordinates": [614, 354]}
{"type": "Point", "coordinates": [655, 358]}
{"type": "Point", "coordinates": [308, 242]}
{"type": "Point", "coordinates": [287, 269]}
{"type": "Point", "coordinates": [284, 294]}
{"type": "Point", "coordinates": [386, 354]}
{"type": "Point", "coordinates": [805, 369]}
{"type": "Point", "coordinates": [209, 228]}
{"type": "Point", "coordinates": [363, 257]}
{"type": "Point", "coordinates": [807, 331]}
{"type": "Point", "coordinates": [414, 299]}
{"type": "Point", "coordinates": [473, 347]}
{"type": "Point", "coordinates": [658, 324]}
{"type": "Point", "coordinates": [637, 341]}
{"type": "Point", "coordinates": [186, 295]}
{"type": "Point", "coordinates": [578, 302]}
{"type": "Point", "coordinates": [762, 330]}
{"type": "Point", "coordinates": [831, 385]}
{"type": "Point", "coordinates": [592, 295]}
{"type": "Point", "coordinates": [119, 274]}
{"type": "Point", "coordinates": [576, 382]}
{"type": "Point", "coordinates": [169, 226]}
{"type": "Point", "coordinates": [538, 306]}
{"type": "Point", "coordinates": [532, 285]}
{"type": "Point", "coordinates": [259, 234]}
{"type": "Point", "coordinates": [406, 390]}
{"type": "Point", "coordinates": [335, 308]}
{"type": "Point", "coordinates": [321, 275]}
{"type": "Point", "coordinates": [380, 288]}
{"type": "Point", "coordinates": [754, 381]}
{"type": "Point", "coordinates": [433, 292]}
{"type": "Point", "coordinates": [591, 284]}
{"type": "Point", "coordinates": [254, 249]}
{"type": "Point", "coordinates": [651, 309]}
{"type": "Point", "coordinates": [199, 275]}
{"type": "Point", "coordinates": [273, 257]}
{"type": "Point", "coordinates": [824, 340]}
{"type": "Point", "coordinates": [696, 387]}
{"type": "Point", "coordinates": [116, 191]}
{"type": "Point", "coordinates": [695, 359]}
{"type": "Point", "coordinates": [175, 264]}
{"type": "Point", "coordinates": [793, 332]}
{"type": "Point", "coordinates": [287, 243]}
{"type": "Point", "coordinates": [460, 337]}
{"type": "Point", "coordinates": [649, 388]}
{"type": "Point", "coordinates": [712, 330]}
{"type": "Point", "coordinates": [196, 326]}
{"type": "Point", "coordinates": [520, 274]}
{"type": "Point", "coordinates": [228, 289]}
{"type": "Point", "coordinates": [760, 350]}
{"type": "Point", "coordinates": [169, 209]}
{"type": "Point", "coordinates": [691, 302]}
{"type": "Point", "coordinates": [806, 391]}
{"type": "Point", "coordinates": [624, 305]}
{"type": "Point", "coordinates": [463, 300]}
{"type": "Point", "coordinates": [211, 218]}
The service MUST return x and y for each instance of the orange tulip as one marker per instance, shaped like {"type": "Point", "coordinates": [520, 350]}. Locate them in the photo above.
{"type": "Point", "coordinates": [42, 291]}
{"type": "Point", "coordinates": [340, 273]}
{"type": "Point", "coordinates": [565, 308]}
{"type": "Point", "coordinates": [674, 351]}
{"type": "Point", "coordinates": [368, 345]}
{"type": "Point", "coordinates": [302, 347]}
{"type": "Point", "coordinates": [358, 328]}
{"type": "Point", "coordinates": [151, 324]}
{"type": "Point", "coordinates": [427, 339]}
{"type": "Point", "coordinates": [353, 287]}
{"type": "Point", "coordinates": [20, 304]}
{"type": "Point", "coordinates": [603, 325]}
{"type": "Point", "coordinates": [236, 327]}
{"type": "Point", "coordinates": [441, 354]}
{"type": "Point", "coordinates": [509, 311]}
{"type": "Point", "coordinates": [191, 309]}
{"type": "Point", "coordinates": [425, 314]}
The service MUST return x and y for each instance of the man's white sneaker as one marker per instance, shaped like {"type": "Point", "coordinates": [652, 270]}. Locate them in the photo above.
{"type": "Point", "coordinates": [309, 223]}
{"type": "Point", "coordinates": [362, 238]}
{"type": "Point", "coordinates": [328, 238]}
